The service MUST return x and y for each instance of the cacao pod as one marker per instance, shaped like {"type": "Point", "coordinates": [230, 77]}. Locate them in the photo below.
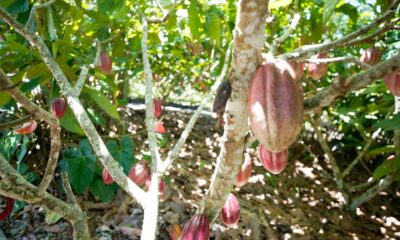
{"type": "Point", "coordinates": [107, 179]}
{"type": "Point", "coordinates": [105, 63]}
{"type": "Point", "coordinates": [159, 127]}
{"type": "Point", "coordinates": [197, 228]}
{"type": "Point", "coordinates": [27, 127]}
{"type": "Point", "coordinates": [274, 162]}
{"type": "Point", "coordinates": [317, 70]}
{"type": "Point", "coordinates": [223, 94]}
{"type": "Point", "coordinates": [245, 172]}
{"type": "Point", "coordinates": [371, 56]}
{"type": "Point", "coordinates": [275, 104]}
{"type": "Point", "coordinates": [8, 209]}
{"type": "Point", "coordinates": [58, 107]}
{"type": "Point", "coordinates": [161, 186]}
{"type": "Point", "coordinates": [392, 82]}
{"type": "Point", "coordinates": [157, 107]}
{"type": "Point", "coordinates": [230, 212]}
{"type": "Point", "coordinates": [175, 231]}
{"type": "Point", "coordinates": [139, 173]}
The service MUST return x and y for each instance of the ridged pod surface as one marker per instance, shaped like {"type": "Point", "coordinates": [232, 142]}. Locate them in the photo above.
{"type": "Point", "coordinates": [58, 107]}
{"type": "Point", "coordinates": [245, 172]}
{"type": "Point", "coordinates": [139, 173]}
{"type": "Point", "coordinates": [107, 179]}
{"type": "Point", "coordinates": [317, 70]}
{"type": "Point", "coordinates": [105, 63]}
{"type": "Point", "coordinates": [275, 104]}
{"type": "Point", "coordinates": [371, 56]}
{"type": "Point", "coordinates": [230, 212]}
{"type": "Point", "coordinates": [392, 82]}
{"type": "Point", "coordinates": [197, 228]}
{"type": "Point", "coordinates": [274, 162]}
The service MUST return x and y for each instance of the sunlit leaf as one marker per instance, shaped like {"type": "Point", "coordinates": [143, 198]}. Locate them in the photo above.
{"type": "Point", "coordinates": [329, 7]}
{"type": "Point", "coordinates": [278, 3]}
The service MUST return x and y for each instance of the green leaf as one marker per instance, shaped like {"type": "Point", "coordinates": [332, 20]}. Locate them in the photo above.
{"type": "Point", "coordinates": [213, 25]}
{"type": "Point", "coordinates": [70, 123]}
{"type": "Point", "coordinates": [329, 7]}
{"type": "Point", "coordinates": [4, 98]}
{"type": "Point", "coordinates": [104, 192]}
{"type": "Point", "coordinates": [389, 124]}
{"type": "Point", "coordinates": [350, 11]}
{"type": "Point", "coordinates": [127, 157]}
{"type": "Point", "coordinates": [112, 147]}
{"type": "Point", "coordinates": [86, 149]}
{"type": "Point", "coordinates": [52, 217]}
{"type": "Point", "coordinates": [386, 167]}
{"type": "Point", "coordinates": [194, 20]}
{"type": "Point", "coordinates": [18, 6]}
{"type": "Point", "coordinates": [103, 102]}
{"type": "Point", "coordinates": [96, 117]}
{"type": "Point", "coordinates": [385, 149]}
{"type": "Point", "coordinates": [81, 171]}
{"type": "Point", "coordinates": [273, 4]}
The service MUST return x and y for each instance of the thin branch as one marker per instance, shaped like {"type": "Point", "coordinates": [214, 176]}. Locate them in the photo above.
{"type": "Point", "coordinates": [174, 152]}
{"type": "Point", "coordinates": [15, 122]}
{"type": "Point", "coordinates": [278, 41]}
{"type": "Point", "coordinates": [67, 187]}
{"type": "Point", "coordinates": [81, 80]}
{"type": "Point", "coordinates": [29, 23]}
{"type": "Point", "coordinates": [165, 17]}
{"type": "Point", "coordinates": [337, 59]}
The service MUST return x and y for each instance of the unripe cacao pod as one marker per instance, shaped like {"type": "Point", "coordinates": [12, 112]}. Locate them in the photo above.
{"type": "Point", "coordinates": [159, 127]}
{"type": "Point", "coordinates": [197, 228]}
{"type": "Point", "coordinates": [317, 70]}
{"type": "Point", "coordinates": [105, 63]}
{"type": "Point", "coordinates": [392, 82]}
{"type": "Point", "coordinates": [274, 162]}
{"type": "Point", "coordinates": [230, 212]}
{"type": "Point", "coordinates": [27, 127]}
{"type": "Point", "coordinates": [157, 107]}
{"type": "Point", "coordinates": [245, 172]}
{"type": "Point", "coordinates": [8, 209]}
{"type": "Point", "coordinates": [371, 56]}
{"type": "Point", "coordinates": [161, 186]}
{"type": "Point", "coordinates": [58, 107]}
{"type": "Point", "coordinates": [139, 173]}
{"type": "Point", "coordinates": [175, 231]}
{"type": "Point", "coordinates": [275, 104]}
{"type": "Point", "coordinates": [107, 179]}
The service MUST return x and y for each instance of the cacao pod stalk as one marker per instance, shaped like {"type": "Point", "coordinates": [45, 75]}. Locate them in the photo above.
{"type": "Point", "coordinates": [58, 107]}
{"type": "Point", "coordinates": [274, 162]}
{"type": "Point", "coordinates": [392, 82]}
{"type": "Point", "coordinates": [371, 56]}
{"type": "Point", "coordinates": [230, 212]}
{"type": "Point", "coordinates": [139, 173]}
{"type": "Point", "coordinates": [197, 228]}
{"type": "Point", "coordinates": [27, 128]}
{"type": "Point", "coordinates": [105, 63]}
{"type": "Point", "coordinates": [245, 172]}
{"type": "Point", "coordinates": [275, 104]}
{"type": "Point", "coordinates": [107, 179]}
{"type": "Point", "coordinates": [8, 210]}
{"type": "Point", "coordinates": [317, 70]}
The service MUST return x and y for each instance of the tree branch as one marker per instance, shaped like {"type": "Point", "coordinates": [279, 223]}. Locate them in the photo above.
{"type": "Point", "coordinates": [15, 122]}
{"type": "Point", "coordinates": [278, 41]}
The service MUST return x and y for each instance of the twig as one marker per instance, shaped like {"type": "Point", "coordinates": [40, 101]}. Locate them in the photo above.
{"type": "Point", "coordinates": [33, 12]}
{"type": "Point", "coordinates": [337, 59]}
{"type": "Point", "coordinates": [81, 80]}
{"type": "Point", "coordinates": [165, 17]}
{"type": "Point", "coordinates": [15, 122]}
{"type": "Point", "coordinates": [67, 187]}
{"type": "Point", "coordinates": [278, 41]}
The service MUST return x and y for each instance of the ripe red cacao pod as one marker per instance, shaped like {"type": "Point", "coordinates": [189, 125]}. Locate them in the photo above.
{"type": "Point", "coordinates": [275, 104]}
{"type": "Point", "coordinates": [197, 228]}
{"type": "Point", "coordinates": [317, 70]}
{"type": "Point", "coordinates": [8, 210]}
{"type": "Point", "coordinates": [392, 82]}
{"type": "Point", "coordinates": [161, 186]}
{"type": "Point", "coordinates": [230, 212]}
{"type": "Point", "coordinates": [274, 162]}
{"type": "Point", "coordinates": [139, 173]}
{"type": "Point", "coordinates": [27, 128]}
{"type": "Point", "coordinates": [371, 56]}
{"type": "Point", "coordinates": [157, 107]}
{"type": "Point", "coordinates": [175, 231]}
{"type": "Point", "coordinates": [245, 172]}
{"type": "Point", "coordinates": [159, 127]}
{"type": "Point", "coordinates": [58, 107]}
{"type": "Point", "coordinates": [105, 63]}
{"type": "Point", "coordinates": [107, 179]}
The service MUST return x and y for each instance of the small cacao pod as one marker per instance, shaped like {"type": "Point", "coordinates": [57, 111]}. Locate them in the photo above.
{"type": "Point", "coordinates": [392, 82]}
{"type": "Point", "coordinates": [230, 212]}
{"type": "Point", "coordinates": [159, 127]}
{"type": "Point", "coordinates": [105, 63]}
{"type": "Point", "coordinates": [275, 104]}
{"type": "Point", "coordinates": [157, 107]}
{"type": "Point", "coordinates": [8, 209]}
{"type": "Point", "coordinates": [317, 70]}
{"type": "Point", "coordinates": [245, 172]}
{"type": "Point", "coordinates": [107, 179]}
{"type": "Point", "coordinates": [175, 231]}
{"type": "Point", "coordinates": [197, 228]}
{"type": "Point", "coordinates": [161, 186]}
{"type": "Point", "coordinates": [274, 162]}
{"type": "Point", "coordinates": [27, 127]}
{"type": "Point", "coordinates": [58, 107]}
{"type": "Point", "coordinates": [223, 94]}
{"type": "Point", "coordinates": [139, 173]}
{"type": "Point", "coordinates": [371, 56]}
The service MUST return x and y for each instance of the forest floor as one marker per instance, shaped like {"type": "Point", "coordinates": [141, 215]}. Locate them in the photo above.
{"type": "Point", "coordinates": [300, 203]}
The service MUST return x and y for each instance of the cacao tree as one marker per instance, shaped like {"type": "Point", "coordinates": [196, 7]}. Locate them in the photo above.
{"type": "Point", "coordinates": [70, 72]}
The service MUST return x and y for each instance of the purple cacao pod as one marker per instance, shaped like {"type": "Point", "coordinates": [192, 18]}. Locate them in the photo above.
{"type": "Point", "coordinates": [317, 70]}
{"type": "Point", "coordinates": [58, 107]}
{"type": "Point", "coordinates": [371, 56]}
{"type": "Point", "coordinates": [230, 212]}
{"type": "Point", "coordinates": [245, 172]}
{"type": "Point", "coordinates": [105, 63]}
{"type": "Point", "coordinates": [274, 162]}
{"type": "Point", "coordinates": [392, 82]}
{"type": "Point", "coordinates": [197, 228]}
{"type": "Point", "coordinates": [157, 107]}
{"type": "Point", "coordinates": [275, 104]}
{"type": "Point", "coordinates": [139, 173]}
{"type": "Point", "coordinates": [107, 179]}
